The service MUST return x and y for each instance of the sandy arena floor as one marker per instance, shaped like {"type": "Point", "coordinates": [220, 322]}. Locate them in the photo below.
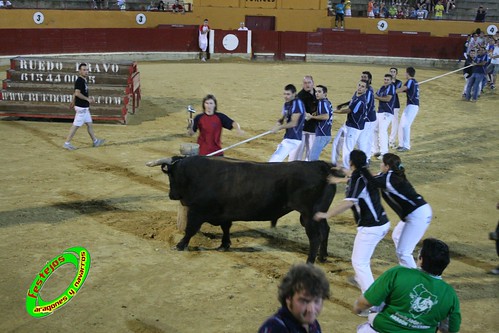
{"type": "Point", "coordinates": [106, 200]}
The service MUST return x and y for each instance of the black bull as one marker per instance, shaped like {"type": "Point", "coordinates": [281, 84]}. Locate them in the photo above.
{"type": "Point", "coordinates": [219, 190]}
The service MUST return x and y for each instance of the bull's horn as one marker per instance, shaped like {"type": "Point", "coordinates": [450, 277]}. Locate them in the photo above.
{"type": "Point", "coordinates": [166, 160]}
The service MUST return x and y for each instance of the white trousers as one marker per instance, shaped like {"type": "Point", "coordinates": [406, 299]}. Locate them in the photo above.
{"type": "Point", "coordinates": [395, 126]}
{"type": "Point", "coordinates": [284, 149]}
{"type": "Point", "coordinates": [338, 144]}
{"type": "Point", "coordinates": [363, 248]}
{"type": "Point", "coordinates": [366, 327]}
{"type": "Point", "coordinates": [380, 140]}
{"type": "Point", "coordinates": [349, 142]}
{"type": "Point", "coordinates": [406, 235]}
{"type": "Point", "coordinates": [408, 116]}
{"type": "Point", "coordinates": [307, 142]}
{"type": "Point", "coordinates": [366, 139]}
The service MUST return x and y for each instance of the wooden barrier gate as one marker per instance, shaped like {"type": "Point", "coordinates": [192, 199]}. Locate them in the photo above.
{"type": "Point", "coordinates": [43, 88]}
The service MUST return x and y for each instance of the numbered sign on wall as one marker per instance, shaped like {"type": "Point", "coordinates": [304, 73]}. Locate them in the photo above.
{"type": "Point", "coordinates": [140, 19]}
{"type": "Point", "coordinates": [491, 30]}
{"type": "Point", "coordinates": [38, 17]}
{"type": "Point", "coordinates": [382, 25]}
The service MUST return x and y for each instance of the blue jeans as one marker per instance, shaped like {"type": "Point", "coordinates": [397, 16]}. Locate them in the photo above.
{"type": "Point", "coordinates": [319, 143]}
{"type": "Point", "coordinates": [474, 82]}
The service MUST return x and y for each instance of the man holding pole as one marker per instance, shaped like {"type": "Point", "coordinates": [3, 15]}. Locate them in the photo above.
{"type": "Point", "coordinates": [411, 88]}
{"type": "Point", "coordinates": [292, 120]}
{"type": "Point", "coordinates": [479, 71]}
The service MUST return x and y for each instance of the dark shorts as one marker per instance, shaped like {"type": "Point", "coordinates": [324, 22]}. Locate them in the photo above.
{"type": "Point", "coordinates": [339, 17]}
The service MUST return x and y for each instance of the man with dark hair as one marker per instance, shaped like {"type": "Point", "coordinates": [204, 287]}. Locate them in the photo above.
{"type": "Point", "coordinates": [292, 120]}
{"type": "Point", "coordinates": [479, 63]}
{"type": "Point", "coordinates": [81, 104]}
{"type": "Point", "coordinates": [366, 137]}
{"type": "Point", "coordinates": [411, 88]}
{"type": "Point", "coordinates": [413, 299]}
{"type": "Point", "coordinates": [355, 122]}
{"type": "Point", "coordinates": [372, 223]}
{"type": "Point", "coordinates": [301, 294]}
{"type": "Point", "coordinates": [324, 117]}
{"type": "Point", "coordinates": [385, 96]}
{"type": "Point", "coordinates": [396, 107]}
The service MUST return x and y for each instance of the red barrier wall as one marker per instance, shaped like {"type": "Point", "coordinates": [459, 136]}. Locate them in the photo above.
{"type": "Point", "coordinates": [221, 47]}
{"type": "Point", "coordinates": [43, 41]}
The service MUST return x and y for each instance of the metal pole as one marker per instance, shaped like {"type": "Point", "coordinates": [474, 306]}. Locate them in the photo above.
{"type": "Point", "coordinates": [239, 143]}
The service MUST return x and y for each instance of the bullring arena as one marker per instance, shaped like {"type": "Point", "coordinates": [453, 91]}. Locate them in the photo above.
{"type": "Point", "coordinates": [106, 200]}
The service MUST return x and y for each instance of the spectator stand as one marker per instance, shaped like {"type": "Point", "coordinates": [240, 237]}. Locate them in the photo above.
{"type": "Point", "coordinates": [465, 10]}
{"type": "Point", "coordinates": [130, 5]}
{"type": "Point", "coordinates": [43, 88]}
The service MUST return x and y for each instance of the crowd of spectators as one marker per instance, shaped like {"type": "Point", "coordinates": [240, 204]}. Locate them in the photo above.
{"type": "Point", "coordinates": [176, 6]}
{"type": "Point", "coordinates": [407, 9]}
{"type": "Point", "coordinates": [412, 9]}
{"type": "Point", "coordinates": [5, 4]}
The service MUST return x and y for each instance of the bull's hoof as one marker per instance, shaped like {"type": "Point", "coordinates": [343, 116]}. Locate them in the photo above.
{"type": "Point", "coordinates": [180, 247]}
{"type": "Point", "coordinates": [322, 260]}
{"type": "Point", "coordinates": [223, 248]}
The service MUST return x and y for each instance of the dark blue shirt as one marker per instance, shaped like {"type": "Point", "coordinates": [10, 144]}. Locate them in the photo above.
{"type": "Point", "coordinates": [284, 322]}
{"type": "Point", "coordinates": [289, 108]}
{"type": "Point", "coordinates": [482, 69]}
{"type": "Point", "coordinates": [370, 109]}
{"type": "Point", "coordinates": [397, 84]}
{"type": "Point", "coordinates": [324, 126]}
{"type": "Point", "coordinates": [384, 91]}
{"type": "Point", "coordinates": [412, 92]}
{"type": "Point", "coordinates": [356, 118]}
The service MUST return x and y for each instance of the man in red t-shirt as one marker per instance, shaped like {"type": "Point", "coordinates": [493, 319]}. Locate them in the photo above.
{"type": "Point", "coordinates": [210, 124]}
{"type": "Point", "coordinates": [177, 7]}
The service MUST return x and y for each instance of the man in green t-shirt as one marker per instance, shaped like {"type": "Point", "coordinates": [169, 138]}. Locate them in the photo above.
{"type": "Point", "coordinates": [439, 10]}
{"type": "Point", "coordinates": [413, 299]}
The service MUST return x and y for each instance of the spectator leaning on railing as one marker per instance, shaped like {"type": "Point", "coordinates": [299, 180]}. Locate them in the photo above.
{"type": "Point", "coordinates": [177, 7]}
{"type": "Point", "coordinates": [480, 14]}
{"type": "Point", "coordinates": [5, 4]}
{"type": "Point", "coordinates": [451, 4]}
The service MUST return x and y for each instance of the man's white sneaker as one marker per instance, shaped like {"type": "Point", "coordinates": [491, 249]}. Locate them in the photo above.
{"type": "Point", "coordinates": [99, 142]}
{"type": "Point", "coordinates": [69, 146]}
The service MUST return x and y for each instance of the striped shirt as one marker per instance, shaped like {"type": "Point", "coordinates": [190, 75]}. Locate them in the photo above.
{"type": "Point", "coordinates": [367, 210]}
{"type": "Point", "coordinates": [412, 92]}
{"type": "Point", "coordinates": [290, 108]}
{"type": "Point", "coordinates": [356, 118]}
{"type": "Point", "coordinates": [397, 192]}
{"type": "Point", "coordinates": [324, 126]}
{"type": "Point", "coordinates": [371, 107]}
{"type": "Point", "coordinates": [384, 91]}
{"type": "Point", "coordinates": [397, 84]}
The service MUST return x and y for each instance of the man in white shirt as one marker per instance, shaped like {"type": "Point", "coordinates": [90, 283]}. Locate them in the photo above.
{"type": "Point", "coordinates": [242, 27]}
